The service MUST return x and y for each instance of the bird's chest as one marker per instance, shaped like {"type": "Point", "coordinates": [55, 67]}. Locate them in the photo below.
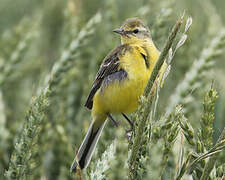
{"type": "Point", "coordinates": [134, 64]}
{"type": "Point", "coordinates": [123, 96]}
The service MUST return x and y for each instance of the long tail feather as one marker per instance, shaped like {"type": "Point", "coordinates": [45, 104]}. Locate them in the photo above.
{"type": "Point", "coordinates": [87, 148]}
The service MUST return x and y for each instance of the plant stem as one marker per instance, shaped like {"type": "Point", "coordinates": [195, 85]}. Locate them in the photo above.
{"type": "Point", "coordinates": [147, 100]}
{"type": "Point", "coordinates": [212, 160]}
{"type": "Point", "coordinates": [162, 56]}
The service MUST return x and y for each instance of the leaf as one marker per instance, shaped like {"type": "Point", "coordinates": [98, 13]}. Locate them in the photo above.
{"type": "Point", "coordinates": [188, 24]}
{"type": "Point", "coordinates": [166, 73]}
{"type": "Point", "coordinates": [181, 42]}
{"type": "Point", "coordinates": [170, 56]}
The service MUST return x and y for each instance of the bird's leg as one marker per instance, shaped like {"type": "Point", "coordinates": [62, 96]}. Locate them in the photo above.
{"type": "Point", "coordinates": [129, 121]}
{"type": "Point", "coordinates": [129, 131]}
{"type": "Point", "coordinates": [111, 119]}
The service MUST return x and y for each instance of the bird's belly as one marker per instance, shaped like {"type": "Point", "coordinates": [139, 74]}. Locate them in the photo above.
{"type": "Point", "coordinates": [119, 97]}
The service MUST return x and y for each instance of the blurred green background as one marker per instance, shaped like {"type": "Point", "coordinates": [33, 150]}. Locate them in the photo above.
{"type": "Point", "coordinates": [51, 25]}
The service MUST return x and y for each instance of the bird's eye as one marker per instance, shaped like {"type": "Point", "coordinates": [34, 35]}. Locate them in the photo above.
{"type": "Point", "coordinates": [136, 31]}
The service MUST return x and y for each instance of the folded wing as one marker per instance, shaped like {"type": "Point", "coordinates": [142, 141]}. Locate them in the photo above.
{"type": "Point", "coordinates": [108, 68]}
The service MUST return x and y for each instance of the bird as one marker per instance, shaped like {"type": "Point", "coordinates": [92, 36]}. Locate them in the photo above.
{"type": "Point", "coordinates": [119, 83]}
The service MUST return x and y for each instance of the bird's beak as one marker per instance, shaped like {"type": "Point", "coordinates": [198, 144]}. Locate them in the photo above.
{"type": "Point", "coordinates": [119, 31]}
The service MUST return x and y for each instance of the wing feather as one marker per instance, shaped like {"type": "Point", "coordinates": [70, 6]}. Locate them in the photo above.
{"type": "Point", "coordinates": [109, 66]}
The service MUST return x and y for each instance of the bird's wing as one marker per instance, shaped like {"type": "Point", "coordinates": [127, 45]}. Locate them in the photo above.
{"type": "Point", "coordinates": [109, 66]}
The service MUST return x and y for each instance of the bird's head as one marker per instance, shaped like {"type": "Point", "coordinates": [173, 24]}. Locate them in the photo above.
{"type": "Point", "coordinates": [133, 31]}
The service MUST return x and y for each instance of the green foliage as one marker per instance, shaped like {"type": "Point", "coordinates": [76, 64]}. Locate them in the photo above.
{"type": "Point", "coordinates": [208, 118]}
{"type": "Point", "coordinates": [49, 54]}
{"type": "Point", "coordinates": [103, 164]}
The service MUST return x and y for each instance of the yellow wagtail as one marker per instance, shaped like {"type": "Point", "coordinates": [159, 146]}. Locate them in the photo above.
{"type": "Point", "coordinates": [120, 81]}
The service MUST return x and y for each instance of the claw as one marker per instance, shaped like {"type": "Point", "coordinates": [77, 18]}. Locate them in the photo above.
{"type": "Point", "coordinates": [129, 134]}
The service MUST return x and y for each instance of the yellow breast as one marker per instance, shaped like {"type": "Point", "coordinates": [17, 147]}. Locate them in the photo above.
{"type": "Point", "coordinates": [122, 96]}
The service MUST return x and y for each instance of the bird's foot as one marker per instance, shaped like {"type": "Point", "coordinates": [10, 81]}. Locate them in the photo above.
{"type": "Point", "coordinates": [129, 134]}
{"type": "Point", "coordinates": [112, 120]}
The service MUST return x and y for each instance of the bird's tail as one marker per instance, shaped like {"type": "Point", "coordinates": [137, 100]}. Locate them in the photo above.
{"type": "Point", "coordinates": [87, 147]}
